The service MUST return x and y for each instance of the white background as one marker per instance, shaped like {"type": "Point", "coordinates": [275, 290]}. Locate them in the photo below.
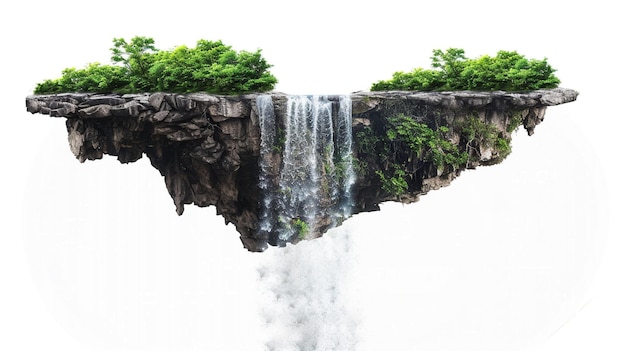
{"type": "Point", "coordinates": [93, 256]}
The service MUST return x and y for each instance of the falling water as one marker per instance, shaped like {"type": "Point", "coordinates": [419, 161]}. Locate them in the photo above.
{"type": "Point", "coordinates": [344, 142]}
{"type": "Point", "coordinates": [304, 295]}
{"type": "Point", "coordinates": [312, 190]}
{"type": "Point", "coordinates": [267, 121]}
{"type": "Point", "coordinates": [306, 179]}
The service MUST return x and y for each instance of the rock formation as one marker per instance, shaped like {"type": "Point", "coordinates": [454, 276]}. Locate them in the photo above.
{"type": "Point", "coordinates": [209, 147]}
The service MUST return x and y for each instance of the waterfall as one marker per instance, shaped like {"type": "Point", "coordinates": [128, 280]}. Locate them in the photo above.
{"type": "Point", "coordinates": [267, 122]}
{"type": "Point", "coordinates": [344, 142]}
{"type": "Point", "coordinates": [310, 190]}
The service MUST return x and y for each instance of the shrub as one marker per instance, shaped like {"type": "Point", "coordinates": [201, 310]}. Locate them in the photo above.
{"type": "Point", "coordinates": [426, 145]}
{"type": "Point", "coordinates": [507, 71]}
{"type": "Point", "coordinates": [396, 184]}
{"type": "Point", "coordinates": [93, 78]}
{"type": "Point", "coordinates": [138, 66]}
{"type": "Point", "coordinates": [429, 144]}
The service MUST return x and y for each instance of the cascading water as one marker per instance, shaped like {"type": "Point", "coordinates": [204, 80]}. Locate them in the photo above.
{"type": "Point", "coordinates": [267, 122]}
{"type": "Point", "coordinates": [309, 190]}
{"type": "Point", "coordinates": [306, 180]}
{"type": "Point", "coordinates": [344, 143]}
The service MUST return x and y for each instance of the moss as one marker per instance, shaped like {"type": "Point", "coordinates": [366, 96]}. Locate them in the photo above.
{"type": "Point", "coordinates": [503, 146]}
{"type": "Point", "coordinates": [281, 139]}
{"type": "Point", "coordinates": [301, 227]}
{"type": "Point", "coordinates": [514, 121]}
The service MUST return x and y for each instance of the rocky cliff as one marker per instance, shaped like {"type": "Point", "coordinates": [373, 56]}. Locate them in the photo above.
{"type": "Point", "coordinates": [210, 150]}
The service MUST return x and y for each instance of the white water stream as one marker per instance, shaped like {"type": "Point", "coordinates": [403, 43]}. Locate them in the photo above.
{"type": "Point", "coordinates": [316, 174]}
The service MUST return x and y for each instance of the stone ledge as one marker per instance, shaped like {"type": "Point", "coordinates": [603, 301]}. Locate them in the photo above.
{"type": "Point", "coordinates": [92, 105]}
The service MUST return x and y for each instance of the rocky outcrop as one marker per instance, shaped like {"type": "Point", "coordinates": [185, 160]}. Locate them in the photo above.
{"type": "Point", "coordinates": [207, 147]}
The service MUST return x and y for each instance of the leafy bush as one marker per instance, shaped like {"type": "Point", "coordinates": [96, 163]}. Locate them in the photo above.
{"type": "Point", "coordinates": [476, 132]}
{"type": "Point", "coordinates": [396, 184]}
{"type": "Point", "coordinates": [508, 71]}
{"type": "Point", "coordinates": [93, 78]}
{"type": "Point", "coordinates": [429, 144]}
{"type": "Point", "coordinates": [426, 145]}
{"type": "Point", "coordinates": [138, 66]}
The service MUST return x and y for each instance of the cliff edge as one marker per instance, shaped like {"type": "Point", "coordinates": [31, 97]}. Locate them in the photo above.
{"type": "Point", "coordinates": [244, 154]}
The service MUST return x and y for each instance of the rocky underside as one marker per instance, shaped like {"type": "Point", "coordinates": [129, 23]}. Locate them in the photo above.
{"type": "Point", "coordinates": [208, 147]}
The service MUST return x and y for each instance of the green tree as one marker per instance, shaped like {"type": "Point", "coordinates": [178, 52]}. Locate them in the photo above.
{"type": "Point", "coordinates": [451, 70]}
{"type": "Point", "coordinates": [93, 78]}
{"type": "Point", "coordinates": [212, 67]}
{"type": "Point", "coordinates": [139, 67]}
{"type": "Point", "coordinates": [451, 63]}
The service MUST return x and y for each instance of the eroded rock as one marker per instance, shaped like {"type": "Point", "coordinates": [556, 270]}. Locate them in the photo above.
{"type": "Point", "coordinates": [207, 147]}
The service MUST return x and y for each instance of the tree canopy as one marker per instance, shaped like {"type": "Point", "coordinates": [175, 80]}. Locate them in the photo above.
{"type": "Point", "coordinates": [451, 70]}
{"type": "Point", "coordinates": [138, 66]}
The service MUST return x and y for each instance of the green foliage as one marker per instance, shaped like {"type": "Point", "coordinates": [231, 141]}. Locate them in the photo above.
{"type": "Point", "coordinates": [301, 227]}
{"type": "Point", "coordinates": [132, 54]}
{"type": "Point", "coordinates": [360, 167]}
{"type": "Point", "coordinates": [281, 139]}
{"type": "Point", "coordinates": [431, 144]}
{"type": "Point", "coordinates": [515, 121]}
{"type": "Point", "coordinates": [395, 184]}
{"type": "Point", "coordinates": [476, 132]}
{"type": "Point", "coordinates": [425, 144]}
{"type": "Point", "coordinates": [443, 152]}
{"type": "Point", "coordinates": [137, 57]}
{"type": "Point", "coordinates": [473, 129]}
{"type": "Point", "coordinates": [508, 71]}
{"type": "Point", "coordinates": [418, 79]}
{"type": "Point", "coordinates": [94, 78]}
{"type": "Point", "coordinates": [450, 63]}
{"type": "Point", "coordinates": [366, 141]}
{"type": "Point", "coordinates": [210, 67]}
{"type": "Point", "coordinates": [503, 146]}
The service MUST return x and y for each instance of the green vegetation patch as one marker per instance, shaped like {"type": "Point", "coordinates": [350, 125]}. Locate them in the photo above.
{"type": "Point", "coordinates": [138, 66]}
{"type": "Point", "coordinates": [394, 184]}
{"type": "Point", "coordinates": [404, 146]}
{"type": "Point", "coordinates": [430, 144]}
{"type": "Point", "coordinates": [476, 132]}
{"type": "Point", "coordinates": [451, 70]}
{"type": "Point", "coordinates": [301, 228]}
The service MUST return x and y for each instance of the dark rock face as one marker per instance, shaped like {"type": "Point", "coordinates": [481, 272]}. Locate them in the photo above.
{"type": "Point", "coordinates": [479, 124]}
{"type": "Point", "coordinates": [208, 147]}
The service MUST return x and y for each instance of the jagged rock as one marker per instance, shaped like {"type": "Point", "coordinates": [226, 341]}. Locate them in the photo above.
{"type": "Point", "coordinates": [129, 109]}
{"type": "Point", "coordinates": [233, 128]}
{"type": "Point", "coordinates": [110, 100]}
{"type": "Point", "coordinates": [208, 146]}
{"type": "Point", "coordinates": [159, 116]}
{"type": "Point", "coordinates": [533, 117]}
{"type": "Point", "coordinates": [156, 101]}
{"type": "Point", "coordinates": [229, 108]}
{"type": "Point", "coordinates": [97, 111]}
